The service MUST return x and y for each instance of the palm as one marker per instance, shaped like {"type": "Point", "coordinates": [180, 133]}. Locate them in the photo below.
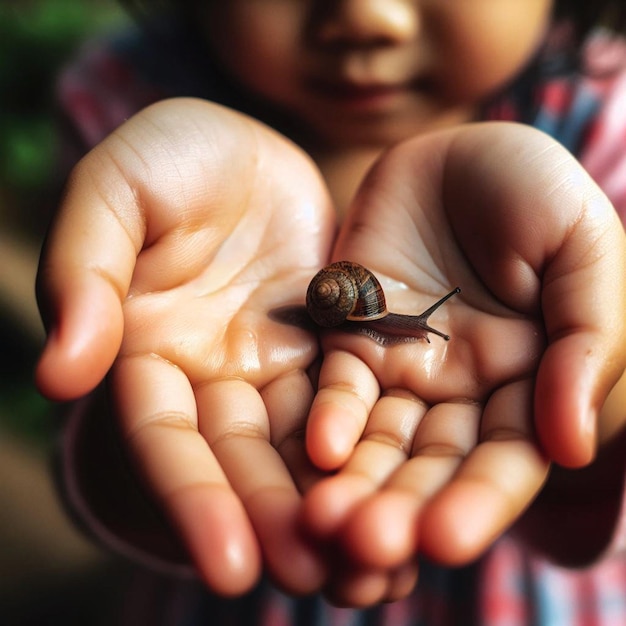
{"type": "Point", "coordinates": [491, 344]}
{"type": "Point", "coordinates": [429, 410]}
{"type": "Point", "coordinates": [212, 322]}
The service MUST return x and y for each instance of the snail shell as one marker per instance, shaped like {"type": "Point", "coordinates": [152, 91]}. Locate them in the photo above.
{"type": "Point", "coordinates": [345, 291]}
{"type": "Point", "coordinates": [348, 295]}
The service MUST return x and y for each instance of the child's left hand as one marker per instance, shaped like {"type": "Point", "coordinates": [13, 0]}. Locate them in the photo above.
{"type": "Point", "coordinates": [441, 446]}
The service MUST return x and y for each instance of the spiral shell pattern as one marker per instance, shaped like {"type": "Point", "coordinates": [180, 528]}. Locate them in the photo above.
{"type": "Point", "coordinates": [345, 291]}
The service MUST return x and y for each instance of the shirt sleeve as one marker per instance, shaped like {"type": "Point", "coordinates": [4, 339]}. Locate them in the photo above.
{"type": "Point", "coordinates": [100, 90]}
{"type": "Point", "coordinates": [603, 153]}
{"type": "Point", "coordinates": [114, 77]}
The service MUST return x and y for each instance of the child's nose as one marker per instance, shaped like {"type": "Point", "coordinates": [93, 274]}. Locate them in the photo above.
{"type": "Point", "coordinates": [368, 22]}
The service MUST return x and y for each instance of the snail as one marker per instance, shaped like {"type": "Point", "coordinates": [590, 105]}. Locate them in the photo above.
{"type": "Point", "coordinates": [348, 296]}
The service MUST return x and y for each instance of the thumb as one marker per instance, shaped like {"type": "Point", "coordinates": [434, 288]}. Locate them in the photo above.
{"type": "Point", "coordinates": [544, 237]}
{"type": "Point", "coordinates": [584, 299]}
{"type": "Point", "coordinates": [84, 273]}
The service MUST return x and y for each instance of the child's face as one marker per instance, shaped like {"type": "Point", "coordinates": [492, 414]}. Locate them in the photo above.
{"type": "Point", "coordinates": [374, 71]}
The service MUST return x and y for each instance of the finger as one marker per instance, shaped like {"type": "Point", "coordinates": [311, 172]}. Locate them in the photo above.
{"type": "Point", "coordinates": [355, 586]}
{"type": "Point", "coordinates": [402, 582]}
{"type": "Point", "coordinates": [493, 485]}
{"type": "Point", "coordinates": [234, 422]}
{"type": "Point", "coordinates": [83, 277]}
{"type": "Point", "coordinates": [347, 392]}
{"type": "Point", "coordinates": [159, 420]}
{"type": "Point", "coordinates": [585, 298]}
{"type": "Point", "coordinates": [288, 400]}
{"type": "Point", "coordinates": [385, 445]}
{"type": "Point", "coordinates": [383, 531]}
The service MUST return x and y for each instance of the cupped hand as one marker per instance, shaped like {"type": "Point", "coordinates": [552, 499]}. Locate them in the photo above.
{"type": "Point", "coordinates": [439, 447]}
{"type": "Point", "coordinates": [176, 237]}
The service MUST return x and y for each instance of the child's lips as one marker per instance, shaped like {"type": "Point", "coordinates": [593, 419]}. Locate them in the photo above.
{"type": "Point", "coordinates": [374, 96]}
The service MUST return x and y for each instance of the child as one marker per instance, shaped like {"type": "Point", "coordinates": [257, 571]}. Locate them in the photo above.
{"type": "Point", "coordinates": [202, 220]}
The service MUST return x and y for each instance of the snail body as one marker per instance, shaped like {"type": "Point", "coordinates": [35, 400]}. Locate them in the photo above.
{"type": "Point", "coordinates": [346, 295]}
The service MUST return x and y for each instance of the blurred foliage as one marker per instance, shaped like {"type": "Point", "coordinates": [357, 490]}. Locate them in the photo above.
{"type": "Point", "coordinates": [37, 37]}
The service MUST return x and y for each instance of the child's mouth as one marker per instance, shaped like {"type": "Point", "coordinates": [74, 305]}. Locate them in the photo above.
{"type": "Point", "coordinates": [367, 98]}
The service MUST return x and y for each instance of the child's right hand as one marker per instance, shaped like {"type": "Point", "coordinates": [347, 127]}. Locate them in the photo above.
{"type": "Point", "coordinates": [176, 237]}
{"type": "Point", "coordinates": [441, 447]}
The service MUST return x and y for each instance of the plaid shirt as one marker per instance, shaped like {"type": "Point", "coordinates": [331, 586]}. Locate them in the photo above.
{"type": "Point", "coordinates": [508, 586]}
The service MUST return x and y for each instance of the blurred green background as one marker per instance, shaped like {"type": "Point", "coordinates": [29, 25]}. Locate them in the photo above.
{"type": "Point", "coordinates": [37, 37]}
{"type": "Point", "coordinates": [49, 574]}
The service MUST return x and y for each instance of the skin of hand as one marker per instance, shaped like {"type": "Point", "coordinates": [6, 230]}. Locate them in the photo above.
{"type": "Point", "coordinates": [175, 238]}
{"type": "Point", "coordinates": [439, 447]}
